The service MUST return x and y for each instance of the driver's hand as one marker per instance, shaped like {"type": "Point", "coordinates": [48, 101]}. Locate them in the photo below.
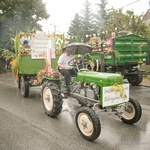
{"type": "Point", "coordinates": [63, 67]}
{"type": "Point", "coordinates": [75, 63]}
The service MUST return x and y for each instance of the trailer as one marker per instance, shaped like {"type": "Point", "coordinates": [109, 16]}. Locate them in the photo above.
{"type": "Point", "coordinates": [129, 51]}
{"type": "Point", "coordinates": [29, 61]}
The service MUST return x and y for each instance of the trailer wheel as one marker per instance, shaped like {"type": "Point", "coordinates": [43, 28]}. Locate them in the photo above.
{"type": "Point", "coordinates": [132, 112]}
{"type": "Point", "coordinates": [19, 78]}
{"type": "Point", "coordinates": [51, 99]}
{"type": "Point", "coordinates": [88, 123]}
{"type": "Point", "coordinates": [24, 87]}
{"type": "Point", "coordinates": [135, 79]}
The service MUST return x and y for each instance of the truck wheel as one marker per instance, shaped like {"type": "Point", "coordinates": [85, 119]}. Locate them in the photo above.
{"type": "Point", "coordinates": [24, 87]}
{"type": "Point", "coordinates": [51, 99]}
{"type": "Point", "coordinates": [132, 112]}
{"type": "Point", "coordinates": [135, 79]}
{"type": "Point", "coordinates": [88, 123]}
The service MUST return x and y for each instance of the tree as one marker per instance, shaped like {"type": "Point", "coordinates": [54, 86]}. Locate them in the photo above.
{"type": "Point", "coordinates": [87, 20]}
{"type": "Point", "coordinates": [19, 15]}
{"type": "Point", "coordinates": [101, 16]}
{"type": "Point", "coordinates": [107, 21]}
{"type": "Point", "coordinates": [91, 23]}
{"type": "Point", "coordinates": [75, 28]}
{"type": "Point", "coordinates": [119, 21]}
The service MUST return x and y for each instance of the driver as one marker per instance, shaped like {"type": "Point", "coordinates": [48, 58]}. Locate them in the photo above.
{"type": "Point", "coordinates": [64, 68]}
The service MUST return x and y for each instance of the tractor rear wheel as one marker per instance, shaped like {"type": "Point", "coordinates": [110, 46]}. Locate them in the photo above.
{"type": "Point", "coordinates": [51, 99]}
{"type": "Point", "coordinates": [88, 123]}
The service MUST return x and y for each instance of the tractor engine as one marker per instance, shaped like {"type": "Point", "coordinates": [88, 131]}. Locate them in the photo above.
{"type": "Point", "coordinates": [85, 93]}
{"type": "Point", "coordinates": [86, 87]}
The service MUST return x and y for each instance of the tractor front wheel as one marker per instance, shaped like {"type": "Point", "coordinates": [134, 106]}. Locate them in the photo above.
{"type": "Point", "coordinates": [88, 123]}
{"type": "Point", "coordinates": [132, 112]}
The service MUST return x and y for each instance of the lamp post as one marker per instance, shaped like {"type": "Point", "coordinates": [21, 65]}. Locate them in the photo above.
{"type": "Point", "coordinates": [53, 38]}
{"type": "Point", "coordinates": [54, 28]}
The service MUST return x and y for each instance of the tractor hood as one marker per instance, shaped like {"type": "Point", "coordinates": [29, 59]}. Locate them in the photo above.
{"type": "Point", "coordinates": [105, 79]}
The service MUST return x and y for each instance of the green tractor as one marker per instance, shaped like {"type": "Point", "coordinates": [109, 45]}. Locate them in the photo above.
{"type": "Point", "coordinates": [92, 90]}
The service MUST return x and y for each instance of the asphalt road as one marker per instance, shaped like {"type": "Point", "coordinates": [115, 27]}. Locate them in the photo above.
{"type": "Point", "coordinates": [24, 125]}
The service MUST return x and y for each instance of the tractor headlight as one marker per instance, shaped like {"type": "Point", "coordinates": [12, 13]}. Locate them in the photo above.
{"type": "Point", "coordinates": [93, 86]}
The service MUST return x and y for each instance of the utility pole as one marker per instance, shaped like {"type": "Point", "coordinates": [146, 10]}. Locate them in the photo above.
{"type": "Point", "coordinates": [102, 54]}
{"type": "Point", "coordinates": [54, 29]}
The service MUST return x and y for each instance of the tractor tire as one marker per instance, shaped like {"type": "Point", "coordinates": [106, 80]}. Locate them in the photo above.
{"type": "Point", "coordinates": [132, 112]}
{"type": "Point", "coordinates": [24, 85]}
{"type": "Point", "coordinates": [135, 79]}
{"type": "Point", "coordinates": [88, 123]}
{"type": "Point", "coordinates": [51, 99]}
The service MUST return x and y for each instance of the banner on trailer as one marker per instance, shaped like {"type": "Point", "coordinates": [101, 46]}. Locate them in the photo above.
{"type": "Point", "coordinates": [40, 44]}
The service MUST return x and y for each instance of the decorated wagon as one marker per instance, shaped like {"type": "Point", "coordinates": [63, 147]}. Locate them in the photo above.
{"type": "Point", "coordinates": [32, 62]}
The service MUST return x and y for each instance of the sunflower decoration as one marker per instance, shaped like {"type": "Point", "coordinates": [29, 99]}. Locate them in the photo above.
{"type": "Point", "coordinates": [40, 75]}
{"type": "Point", "coordinates": [48, 36]}
{"type": "Point", "coordinates": [33, 36]}
{"type": "Point", "coordinates": [120, 89]}
{"type": "Point", "coordinates": [59, 44]}
{"type": "Point", "coordinates": [23, 52]}
{"type": "Point", "coordinates": [15, 67]}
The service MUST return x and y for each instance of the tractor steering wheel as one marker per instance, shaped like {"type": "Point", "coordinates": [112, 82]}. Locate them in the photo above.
{"type": "Point", "coordinates": [74, 61]}
{"type": "Point", "coordinates": [77, 62]}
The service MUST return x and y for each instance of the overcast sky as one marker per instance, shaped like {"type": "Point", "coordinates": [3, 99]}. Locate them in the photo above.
{"type": "Point", "coordinates": [62, 11]}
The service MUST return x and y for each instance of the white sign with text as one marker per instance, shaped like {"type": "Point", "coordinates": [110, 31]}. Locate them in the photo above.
{"type": "Point", "coordinates": [114, 97]}
{"type": "Point", "coordinates": [41, 43]}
